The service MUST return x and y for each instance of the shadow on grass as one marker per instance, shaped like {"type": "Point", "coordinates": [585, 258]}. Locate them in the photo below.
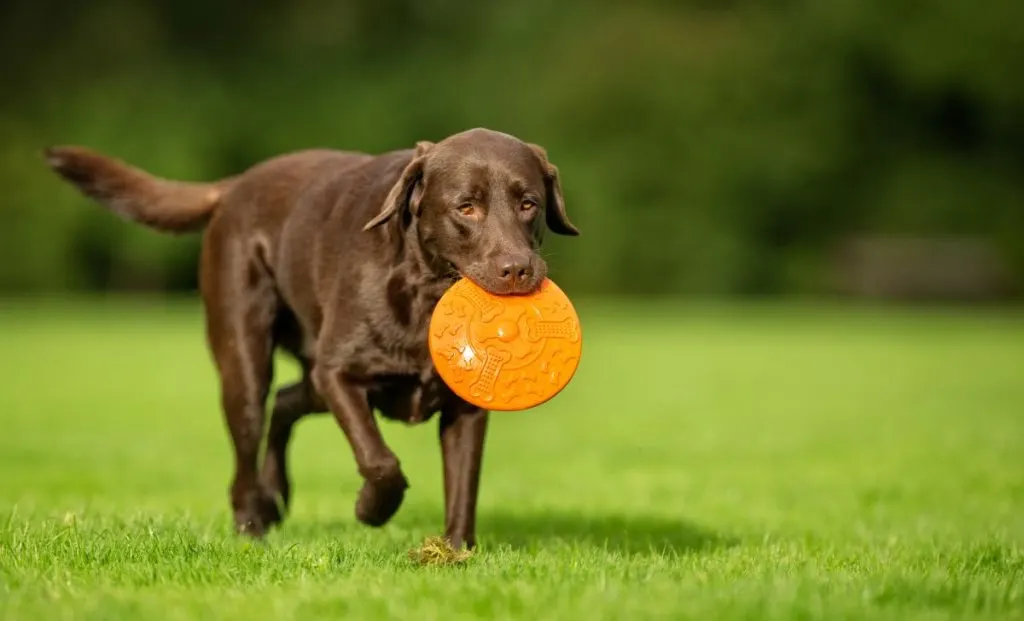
{"type": "Point", "coordinates": [615, 533]}
{"type": "Point", "coordinates": [623, 534]}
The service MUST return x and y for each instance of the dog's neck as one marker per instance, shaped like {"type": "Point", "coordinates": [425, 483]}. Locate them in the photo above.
{"type": "Point", "coordinates": [423, 266]}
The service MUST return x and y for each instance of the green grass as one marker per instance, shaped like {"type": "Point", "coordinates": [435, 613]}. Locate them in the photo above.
{"type": "Point", "coordinates": [706, 463]}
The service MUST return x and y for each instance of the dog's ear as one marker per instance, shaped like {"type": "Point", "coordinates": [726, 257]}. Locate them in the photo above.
{"type": "Point", "coordinates": [557, 220]}
{"type": "Point", "coordinates": [405, 195]}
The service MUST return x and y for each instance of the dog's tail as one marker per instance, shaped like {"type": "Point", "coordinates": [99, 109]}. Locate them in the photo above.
{"type": "Point", "coordinates": [133, 194]}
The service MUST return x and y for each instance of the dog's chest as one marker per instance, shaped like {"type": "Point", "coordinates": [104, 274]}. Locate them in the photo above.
{"type": "Point", "coordinates": [404, 385]}
{"type": "Point", "coordinates": [384, 346]}
{"type": "Point", "coordinates": [409, 399]}
{"type": "Point", "coordinates": [394, 355]}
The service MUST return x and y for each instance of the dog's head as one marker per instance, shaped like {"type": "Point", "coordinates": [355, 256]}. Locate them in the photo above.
{"type": "Point", "coordinates": [479, 202]}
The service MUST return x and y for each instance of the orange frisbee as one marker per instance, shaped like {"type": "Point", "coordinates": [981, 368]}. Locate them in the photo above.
{"type": "Point", "coordinates": [503, 352]}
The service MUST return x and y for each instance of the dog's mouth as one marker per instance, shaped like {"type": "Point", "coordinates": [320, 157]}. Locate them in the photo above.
{"type": "Point", "coordinates": [499, 288]}
{"type": "Point", "coordinates": [482, 274]}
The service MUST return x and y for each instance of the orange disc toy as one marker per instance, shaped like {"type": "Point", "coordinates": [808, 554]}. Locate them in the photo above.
{"type": "Point", "coordinates": [502, 352]}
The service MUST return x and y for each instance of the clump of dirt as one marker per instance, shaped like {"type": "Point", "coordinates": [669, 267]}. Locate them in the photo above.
{"type": "Point", "coordinates": [438, 551]}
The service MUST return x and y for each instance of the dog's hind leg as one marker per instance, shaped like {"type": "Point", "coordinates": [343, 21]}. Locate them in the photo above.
{"type": "Point", "coordinates": [291, 404]}
{"type": "Point", "coordinates": [241, 304]}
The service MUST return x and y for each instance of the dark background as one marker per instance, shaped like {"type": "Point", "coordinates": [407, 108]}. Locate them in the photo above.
{"type": "Point", "coordinates": [851, 147]}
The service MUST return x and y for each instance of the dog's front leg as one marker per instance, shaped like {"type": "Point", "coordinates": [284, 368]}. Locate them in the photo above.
{"type": "Point", "coordinates": [384, 484]}
{"type": "Point", "coordinates": [463, 429]}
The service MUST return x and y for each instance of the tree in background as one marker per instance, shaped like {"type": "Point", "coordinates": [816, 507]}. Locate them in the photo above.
{"type": "Point", "coordinates": [707, 147]}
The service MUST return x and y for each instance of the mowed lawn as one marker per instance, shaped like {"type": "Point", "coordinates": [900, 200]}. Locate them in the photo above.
{"type": "Point", "coordinates": [708, 462]}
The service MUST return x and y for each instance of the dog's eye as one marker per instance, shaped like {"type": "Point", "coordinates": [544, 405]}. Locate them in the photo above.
{"type": "Point", "coordinates": [467, 209]}
{"type": "Point", "coordinates": [527, 204]}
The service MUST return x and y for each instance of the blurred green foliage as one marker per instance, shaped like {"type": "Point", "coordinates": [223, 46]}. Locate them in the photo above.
{"type": "Point", "coordinates": [706, 147]}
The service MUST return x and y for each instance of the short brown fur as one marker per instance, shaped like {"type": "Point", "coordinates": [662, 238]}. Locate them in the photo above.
{"type": "Point", "coordinates": [338, 258]}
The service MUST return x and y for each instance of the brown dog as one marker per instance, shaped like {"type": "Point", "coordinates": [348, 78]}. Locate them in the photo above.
{"type": "Point", "coordinates": [339, 258]}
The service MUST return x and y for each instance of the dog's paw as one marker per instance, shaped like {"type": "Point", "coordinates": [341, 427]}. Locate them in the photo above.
{"type": "Point", "coordinates": [380, 498]}
{"type": "Point", "coordinates": [257, 516]}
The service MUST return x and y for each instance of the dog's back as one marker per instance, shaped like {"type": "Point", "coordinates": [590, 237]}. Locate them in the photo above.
{"type": "Point", "coordinates": [264, 190]}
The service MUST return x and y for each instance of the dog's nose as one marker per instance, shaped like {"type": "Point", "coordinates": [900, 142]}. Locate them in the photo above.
{"type": "Point", "coordinates": [514, 270]}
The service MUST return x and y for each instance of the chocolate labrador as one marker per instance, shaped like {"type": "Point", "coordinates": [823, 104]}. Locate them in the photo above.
{"type": "Point", "coordinates": [338, 258]}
